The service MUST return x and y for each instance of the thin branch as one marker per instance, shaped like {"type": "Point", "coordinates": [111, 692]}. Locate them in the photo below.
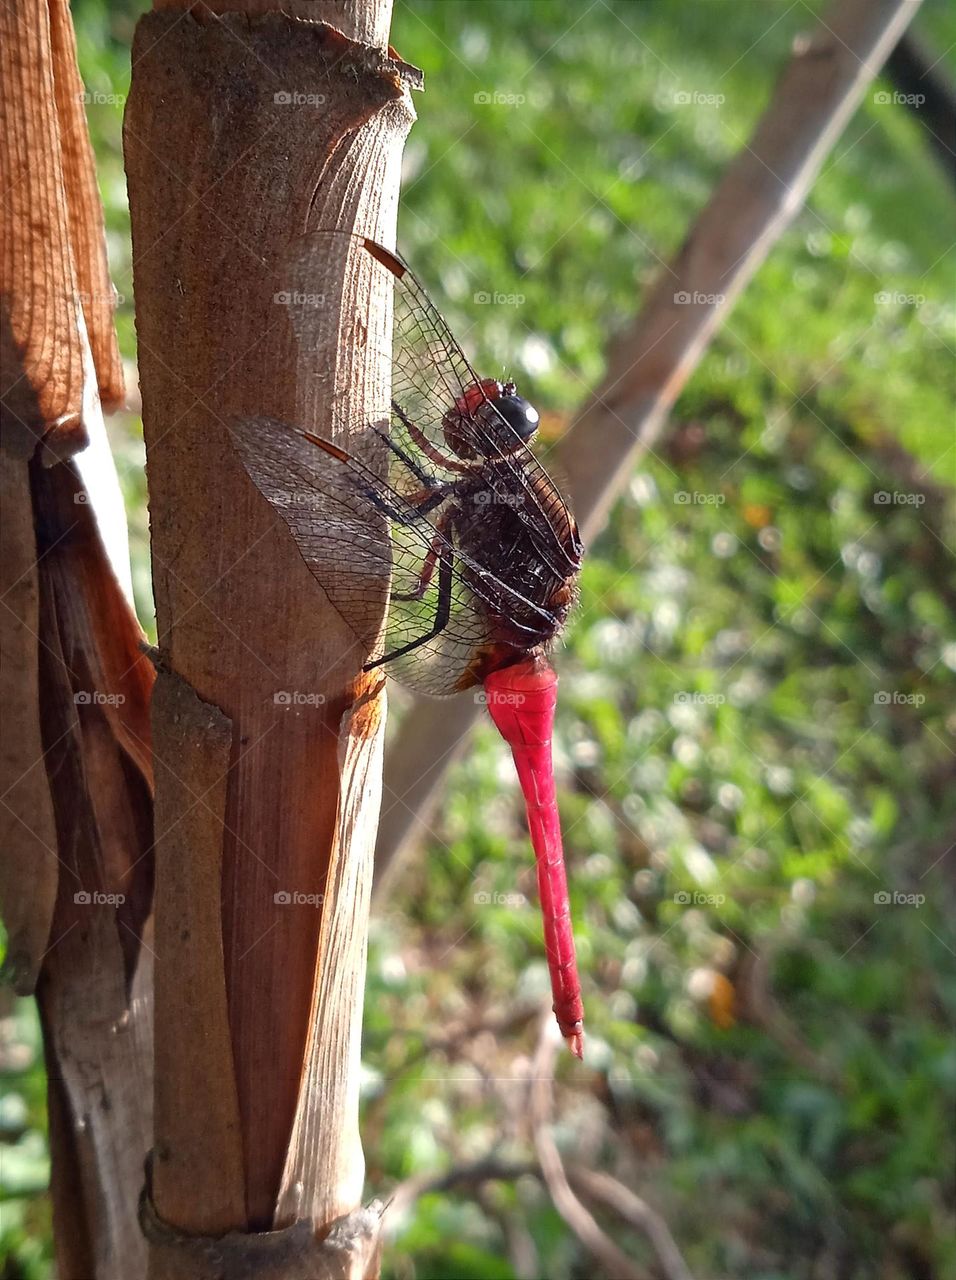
{"type": "Point", "coordinates": [488, 1169]}
{"type": "Point", "coordinates": [578, 1218]}
{"type": "Point", "coordinates": [636, 1212]}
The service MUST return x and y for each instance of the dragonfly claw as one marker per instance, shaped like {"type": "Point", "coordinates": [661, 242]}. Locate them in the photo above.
{"type": "Point", "coordinates": [575, 1042]}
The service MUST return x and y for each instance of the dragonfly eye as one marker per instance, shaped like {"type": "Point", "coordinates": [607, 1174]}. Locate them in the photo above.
{"type": "Point", "coordinates": [519, 414]}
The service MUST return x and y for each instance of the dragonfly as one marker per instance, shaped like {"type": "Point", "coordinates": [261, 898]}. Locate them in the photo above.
{"type": "Point", "coordinates": [439, 515]}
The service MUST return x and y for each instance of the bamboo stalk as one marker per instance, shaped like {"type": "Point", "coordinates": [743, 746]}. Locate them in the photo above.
{"type": "Point", "coordinates": [245, 130]}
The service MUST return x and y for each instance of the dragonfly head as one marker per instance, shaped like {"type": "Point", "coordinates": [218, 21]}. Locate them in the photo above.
{"type": "Point", "coordinates": [517, 412]}
{"type": "Point", "coordinates": [489, 420]}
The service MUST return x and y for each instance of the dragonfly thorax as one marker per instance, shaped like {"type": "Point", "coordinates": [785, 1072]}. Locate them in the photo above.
{"type": "Point", "coordinates": [489, 420]}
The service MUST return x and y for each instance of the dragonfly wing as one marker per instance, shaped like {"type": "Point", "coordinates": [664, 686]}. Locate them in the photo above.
{"type": "Point", "coordinates": [371, 564]}
{"type": "Point", "coordinates": [430, 374]}
{"type": "Point", "coordinates": [376, 525]}
{"type": "Point", "coordinates": [332, 529]}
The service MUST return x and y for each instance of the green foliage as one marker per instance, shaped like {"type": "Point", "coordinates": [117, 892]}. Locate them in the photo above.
{"type": "Point", "coordinates": [756, 732]}
{"type": "Point", "coordinates": [24, 1162]}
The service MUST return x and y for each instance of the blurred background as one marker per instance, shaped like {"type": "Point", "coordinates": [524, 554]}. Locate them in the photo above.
{"type": "Point", "coordinates": [757, 731]}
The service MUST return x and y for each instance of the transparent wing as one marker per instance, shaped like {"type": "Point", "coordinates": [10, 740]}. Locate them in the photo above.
{"type": "Point", "coordinates": [429, 374]}
{"type": "Point", "coordinates": [367, 562]}
{"type": "Point", "coordinates": [376, 524]}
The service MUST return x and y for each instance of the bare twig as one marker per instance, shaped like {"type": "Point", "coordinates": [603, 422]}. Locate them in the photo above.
{"type": "Point", "coordinates": [549, 1167]}
{"type": "Point", "coordinates": [580, 1220]}
{"type": "Point", "coordinates": [488, 1169]}
{"type": "Point", "coordinates": [636, 1212]}
{"type": "Point", "coordinates": [760, 1006]}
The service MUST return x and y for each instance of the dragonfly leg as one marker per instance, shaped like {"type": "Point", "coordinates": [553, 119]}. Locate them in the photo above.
{"type": "Point", "coordinates": [414, 510]}
{"type": "Point", "coordinates": [442, 610]}
{"type": "Point", "coordinates": [426, 446]}
{"type": "Point", "coordinates": [428, 569]}
{"type": "Point", "coordinates": [427, 480]}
